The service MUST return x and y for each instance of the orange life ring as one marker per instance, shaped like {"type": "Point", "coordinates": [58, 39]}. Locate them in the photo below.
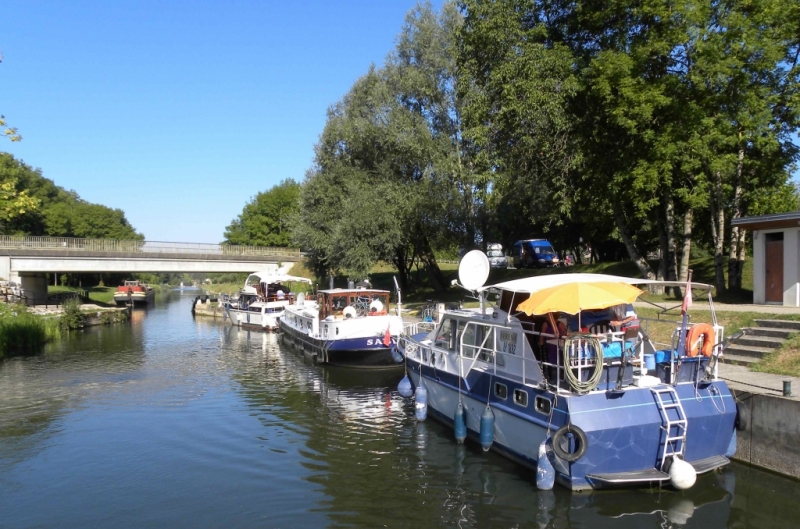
{"type": "Point", "coordinates": [707, 332]}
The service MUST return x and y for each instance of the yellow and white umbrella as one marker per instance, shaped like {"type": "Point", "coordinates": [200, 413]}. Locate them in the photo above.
{"type": "Point", "coordinates": [571, 298]}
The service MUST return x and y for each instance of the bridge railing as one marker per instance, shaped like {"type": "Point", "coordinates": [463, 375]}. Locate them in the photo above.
{"type": "Point", "coordinates": [134, 246]}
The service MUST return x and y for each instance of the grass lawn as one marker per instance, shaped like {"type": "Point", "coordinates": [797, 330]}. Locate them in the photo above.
{"type": "Point", "coordinates": [783, 361]}
{"type": "Point", "coordinates": [100, 295]}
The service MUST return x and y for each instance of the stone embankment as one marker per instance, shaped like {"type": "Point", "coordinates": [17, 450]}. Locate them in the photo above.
{"type": "Point", "coordinates": [768, 405]}
{"type": "Point", "coordinates": [768, 432]}
{"type": "Point", "coordinates": [206, 308]}
{"type": "Point", "coordinates": [759, 341]}
{"type": "Point", "coordinates": [92, 314]}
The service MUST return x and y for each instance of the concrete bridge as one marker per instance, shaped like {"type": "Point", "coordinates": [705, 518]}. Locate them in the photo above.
{"type": "Point", "coordinates": [26, 260]}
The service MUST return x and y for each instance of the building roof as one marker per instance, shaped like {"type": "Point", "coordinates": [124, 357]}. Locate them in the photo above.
{"type": "Point", "coordinates": [766, 222]}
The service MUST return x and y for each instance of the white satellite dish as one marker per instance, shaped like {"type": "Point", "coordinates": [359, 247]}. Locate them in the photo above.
{"type": "Point", "coordinates": [473, 270]}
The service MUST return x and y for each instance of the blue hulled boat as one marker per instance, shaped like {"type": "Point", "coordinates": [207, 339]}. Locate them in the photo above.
{"type": "Point", "coordinates": [593, 408]}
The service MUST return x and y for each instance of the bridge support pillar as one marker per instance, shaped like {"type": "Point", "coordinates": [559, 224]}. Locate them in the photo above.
{"type": "Point", "coordinates": [34, 286]}
{"type": "Point", "coordinates": [5, 267]}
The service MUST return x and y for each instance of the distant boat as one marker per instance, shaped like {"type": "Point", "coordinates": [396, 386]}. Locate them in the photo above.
{"type": "Point", "coordinates": [134, 292]}
{"type": "Point", "coordinates": [261, 302]}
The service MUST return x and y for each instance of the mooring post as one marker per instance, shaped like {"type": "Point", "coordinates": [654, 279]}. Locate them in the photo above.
{"type": "Point", "coordinates": [787, 388]}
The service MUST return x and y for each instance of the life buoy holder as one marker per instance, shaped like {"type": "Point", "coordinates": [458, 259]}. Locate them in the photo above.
{"type": "Point", "coordinates": [693, 336]}
{"type": "Point", "coordinates": [581, 443]}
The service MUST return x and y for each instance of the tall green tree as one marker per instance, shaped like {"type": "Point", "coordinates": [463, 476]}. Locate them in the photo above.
{"type": "Point", "coordinates": [265, 219]}
{"type": "Point", "coordinates": [675, 109]}
{"type": "Point", "coordinates": [393, 156]}
{"type": "Point", "coordinates": [15, 201]}
{"type": "Point", "coordinates": [43, 208]}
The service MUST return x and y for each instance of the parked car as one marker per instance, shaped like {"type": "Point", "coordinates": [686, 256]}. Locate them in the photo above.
{"type": "Point", "coordinates": [497, 259]}
{"type": "Point", "coordinates": [534, 252]}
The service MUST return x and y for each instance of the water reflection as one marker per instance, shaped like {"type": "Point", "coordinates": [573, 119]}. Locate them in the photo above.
{"type": "Point", "coordinates": [375, 462]}
{"type": "Point", "coordinates": [36, 390]}
{"type": "Point", "coordinates": [172, 421]}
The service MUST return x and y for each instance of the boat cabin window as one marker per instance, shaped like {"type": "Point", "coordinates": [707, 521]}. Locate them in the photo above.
{"type": "Point", "coordinates": [479, 340]}
{"type": "Point", "coordinates": [521, 397]}
{"type": "Point", "coordinates": [445, 334]}
{"type": "Point", "coordinates": [364, 302]}
{"type": "Point", "coordinates": [500, 390]}
{"type": "Point", "coordinates": [338, 303]}
{"type": "Point", "coordinates": [543, 405]}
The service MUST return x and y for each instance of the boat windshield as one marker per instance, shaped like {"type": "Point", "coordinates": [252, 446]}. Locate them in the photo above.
{"type": "Point", "coordinates": [364, 303]}
{"type": "Point", "coordinates": [495, 253]}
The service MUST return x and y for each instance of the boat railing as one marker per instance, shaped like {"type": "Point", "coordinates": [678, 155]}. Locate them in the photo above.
{"type": "Point", "coordinates": [582, 355]}
{"type": "Point", "coordinates": [410, 329]}
{"type": "Point", "coordinates": [497, 344]}
{"type": "Point", "coordinates": [676, 325]}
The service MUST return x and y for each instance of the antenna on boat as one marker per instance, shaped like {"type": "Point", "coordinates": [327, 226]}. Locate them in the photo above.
{"type": "Point", "coordinates": [473, 271]}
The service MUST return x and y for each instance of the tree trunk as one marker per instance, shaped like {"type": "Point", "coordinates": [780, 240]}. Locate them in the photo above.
{"type": "Point", "coordinates": [662, 245]}
{"type": "Point", "coordinates": [718, 233]}
{"type": "Point", "coordinates": [734, 276]}
{"type": "Point", "coordinates": [403, 268]}
{"type": "Point", "coordinates": [633, 252]}
{"type": "Point", "coordinates": [425, 254]}
{"type": "Point", "coordinates": [672, 257]}
{"type": "Point", "coordinates": [683, 272]}
{"type": "Point", "coordinates": [740, 259]}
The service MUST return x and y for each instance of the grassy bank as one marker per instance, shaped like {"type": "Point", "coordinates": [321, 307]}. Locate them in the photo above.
{"type": "Point", "coordinates": [298, 269]}
{"type": "Point", "coordinates": [100, 295]}
{"type": "Point", "coordinates": [23, 333]}
{"type": "Point", "coordinates": [783, 361]}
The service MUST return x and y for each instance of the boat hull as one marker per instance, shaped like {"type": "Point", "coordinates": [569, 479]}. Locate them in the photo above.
{"type": "Point", "coordinates": [363, 352]}
{"type": "Point", "coordinates": [623, 429]}
{"type": "Point", "coordinates": [136, 298]}
{"type": "Point", "coordinates": [254, 319]}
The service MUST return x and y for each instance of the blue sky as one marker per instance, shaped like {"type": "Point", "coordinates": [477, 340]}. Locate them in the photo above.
{"type": "Point", "coordinates": [179, 112]}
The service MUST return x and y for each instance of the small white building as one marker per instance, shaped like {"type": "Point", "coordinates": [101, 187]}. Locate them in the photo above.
{"type": "Point", "coordinates": [776, 253]}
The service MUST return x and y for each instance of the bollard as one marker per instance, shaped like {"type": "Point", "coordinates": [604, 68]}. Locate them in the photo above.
{"type": "Point", "coordinates": [787, 388]}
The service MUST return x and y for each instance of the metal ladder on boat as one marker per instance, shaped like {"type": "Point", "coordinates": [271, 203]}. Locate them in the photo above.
{"type": "Point", "coordinates": [675, 425]}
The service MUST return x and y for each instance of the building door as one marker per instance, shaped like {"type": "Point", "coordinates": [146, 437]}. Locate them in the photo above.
{"type": "Point", "coordinates": [774, 268]}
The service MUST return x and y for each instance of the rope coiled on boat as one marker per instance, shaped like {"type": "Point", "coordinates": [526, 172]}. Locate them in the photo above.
{"type": "Point", "coordinates": [583, 342]}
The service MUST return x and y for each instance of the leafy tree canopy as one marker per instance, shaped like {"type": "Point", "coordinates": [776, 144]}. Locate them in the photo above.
{"type": "Point", "coordinates": [33, 205]}
{"type": "Point", "coordinates": [265, 219]}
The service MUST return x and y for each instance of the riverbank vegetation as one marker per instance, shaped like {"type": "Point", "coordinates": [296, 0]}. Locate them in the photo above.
{"type": "Point", "coordinates": [35, 205]}
{"type": "Point", "coordinates": [23, 333]}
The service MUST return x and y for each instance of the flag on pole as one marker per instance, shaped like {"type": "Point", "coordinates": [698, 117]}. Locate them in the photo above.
{"type": "Point", "coordinates": [387, 337]}
{"type": "Point", "coordinates": [687, 297]}
{"type": "Point", "coordinates": [687, 302]}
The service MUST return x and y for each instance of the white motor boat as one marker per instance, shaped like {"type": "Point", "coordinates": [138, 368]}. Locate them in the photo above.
{"type": "Point", "coordinates": [346, 327]}
{"type": "Point", "coordinates": [262, 301]}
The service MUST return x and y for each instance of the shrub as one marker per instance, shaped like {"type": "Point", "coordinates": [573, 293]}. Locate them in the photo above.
{"type": "Point", "coordinates": [72, 317]}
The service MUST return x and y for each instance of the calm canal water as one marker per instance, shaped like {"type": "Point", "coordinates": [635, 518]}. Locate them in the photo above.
{"type": "Point", "coordinates": [175, 422]}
